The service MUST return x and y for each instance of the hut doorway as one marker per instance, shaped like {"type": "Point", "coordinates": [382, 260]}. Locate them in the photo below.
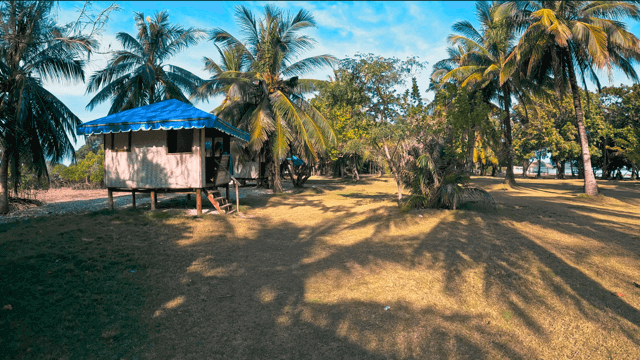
{"type": "Point", "coordinates": [216, 151]}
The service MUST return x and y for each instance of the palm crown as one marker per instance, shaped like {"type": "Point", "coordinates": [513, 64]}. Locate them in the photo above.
{"type": "Point", "coordinates": [137, 75]}
{"type": "Point", "coordinates": [260, 76]}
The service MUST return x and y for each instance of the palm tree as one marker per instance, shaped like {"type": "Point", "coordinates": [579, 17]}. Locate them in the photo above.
{"type": "Point", "coordinates": [34, 125]}
{"type": "Point", "coordinates": [565, 36]}
{"type": "Point", "coordinates": [477, 60]}
{"type": "Point", "coordinates": [137, 75]}
{"type": "Point", "coordinates": [277, 115]}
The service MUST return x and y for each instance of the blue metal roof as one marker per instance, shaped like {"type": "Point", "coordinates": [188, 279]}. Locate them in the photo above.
{"type": "Point", "coordinates": [165, 115]}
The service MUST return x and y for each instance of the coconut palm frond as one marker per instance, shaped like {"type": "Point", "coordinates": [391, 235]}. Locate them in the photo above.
{"type": "Point", "coordinates": [135, 76]}
{"type": "Point", "coordinates": [309, 64]}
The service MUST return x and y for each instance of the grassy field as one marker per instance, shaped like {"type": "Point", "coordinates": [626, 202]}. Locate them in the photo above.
{"type": "Point", "coordinates": [334, 272]}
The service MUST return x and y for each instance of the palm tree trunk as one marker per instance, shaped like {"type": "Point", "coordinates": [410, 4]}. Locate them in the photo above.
{"type": "Point", "coordinates": [472, 143]}
{"type": "Point", "coordinates": [539, 163]}
{"type": "Point", "coordinates": [590, 184]}
{"type": "Point", "coordinates": [277, 182]}
{"type": "Point", "coordinates": [4, 183]}
{"type": "Point", "coordinates": [509, 178]}
{"type": "Point", "coordinates": [152, 93]}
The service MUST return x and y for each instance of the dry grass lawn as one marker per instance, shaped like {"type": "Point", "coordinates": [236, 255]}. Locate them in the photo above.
{"type": "Point", "coordinates": [334, 272]}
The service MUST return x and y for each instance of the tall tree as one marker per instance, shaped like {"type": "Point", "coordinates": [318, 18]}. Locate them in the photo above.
{"type": "Point", "coordinates": [565, 37]}
{"type": "Point", "coordinates": [137, 75]}
{"type": "Point", "coordinates": [342, 102]}
{"type": "Point", "coordinates": [35, 126]}
{"type": "Point", "coordinates": [281, 122]}
{"type": "Point", "coordinates": [391, 121]}
{"type": "Point", "coordinates": [478, 60]}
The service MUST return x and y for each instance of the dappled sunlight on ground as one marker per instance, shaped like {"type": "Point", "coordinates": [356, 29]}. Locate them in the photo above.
{"type": "Point", "coordinates": [338, 271]}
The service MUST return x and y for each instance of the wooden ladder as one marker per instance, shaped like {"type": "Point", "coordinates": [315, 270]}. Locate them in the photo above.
{"type": "Point", "coordinates": [219, 202]}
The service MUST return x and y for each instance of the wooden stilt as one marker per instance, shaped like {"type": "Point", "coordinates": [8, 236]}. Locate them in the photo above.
{"type": "Point", "coordinates": [226, 194]}
{"type": "Point", "coordinates": [199, 201]}
{"type": "Point", "coordinates": [110, 196]}
{"type": "Point", "coordinates": [133, 199]}
{"type": "Point", "coordinates": [154, 200]}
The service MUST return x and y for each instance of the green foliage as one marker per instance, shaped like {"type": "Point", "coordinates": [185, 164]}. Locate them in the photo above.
{"type": "Point", "coordinates": [610, 127]}
{"type": "Point", "coordinates": [88, 170]}
{"type": "Point", "coordinates": [341, 101]}
{"type": "Point", "coordinates": [390, 118]}
{"type": "Point", "coordinates": [29, 180]}
{"type": "Point", "coordinates": [93, 144]}
{"type": "Point", "coordinates": [620, 138]}
{"type": "Point", "coordinates": [469, 124]}
{"type": "Point", "coordinates": [434, 181]}
{"type": "Point", "coordinates": [552, 129]}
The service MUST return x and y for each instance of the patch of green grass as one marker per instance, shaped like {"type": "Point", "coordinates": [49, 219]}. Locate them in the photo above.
{"type": "Point", "coordinates": [159, 214]}
{"type": "Point", "coordinates": [104, 212]}
{"type": "Point", "coordinates": [507, 315]}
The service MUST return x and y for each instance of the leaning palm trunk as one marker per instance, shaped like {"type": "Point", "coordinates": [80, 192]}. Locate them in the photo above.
{"type": "Point", "coordinates": [590, 184]}
{"type": "Point", "coordinates": [4, 183]}
{"type": "Point", "coordinates": [394, 171]}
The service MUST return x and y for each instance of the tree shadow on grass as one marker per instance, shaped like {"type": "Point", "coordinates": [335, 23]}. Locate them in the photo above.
{"type": "Point", "coordinates": [74, 286]}
{"type": "Point", "coordinates": [271, 274]}
{"type": "Point", "coordinates": [457, 284]}
{"type": "Point", "coordinates": [247, 297]}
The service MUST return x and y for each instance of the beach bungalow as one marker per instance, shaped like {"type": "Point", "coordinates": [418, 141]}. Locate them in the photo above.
{"type": "Point", "coordinates": [168, 146]}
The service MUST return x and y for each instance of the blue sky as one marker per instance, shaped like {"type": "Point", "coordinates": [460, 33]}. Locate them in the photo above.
{"type": "Point", "coordinates": [399, 29]}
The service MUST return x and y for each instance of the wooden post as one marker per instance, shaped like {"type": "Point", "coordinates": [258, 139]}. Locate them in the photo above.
{"type": "Point", "coordinates": [188, 197]}
{"type": "Point", "coordinates": [237, 198]}
{"type": "Point", "coordinates": [110, 196]}
{"type": "Point", "coordinates": [199, 201]}
{"type": "Point", "coordinates": [133, 199]}
{"type": "Point", "coordinates": [227, 193]}
{"type": "Point", "coordinates": [153, 199]}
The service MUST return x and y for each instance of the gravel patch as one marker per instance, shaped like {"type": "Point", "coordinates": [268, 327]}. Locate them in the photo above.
{"type": "Point", "coordinates": [120, 202]}
{"type": "Point", "coordinates": [78, 207]}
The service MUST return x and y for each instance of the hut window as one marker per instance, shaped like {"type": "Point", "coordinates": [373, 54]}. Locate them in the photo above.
{"type": "Point", "coordinates": [179, 141]}
{"type": "Point", "coordinates": [119, 141]}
